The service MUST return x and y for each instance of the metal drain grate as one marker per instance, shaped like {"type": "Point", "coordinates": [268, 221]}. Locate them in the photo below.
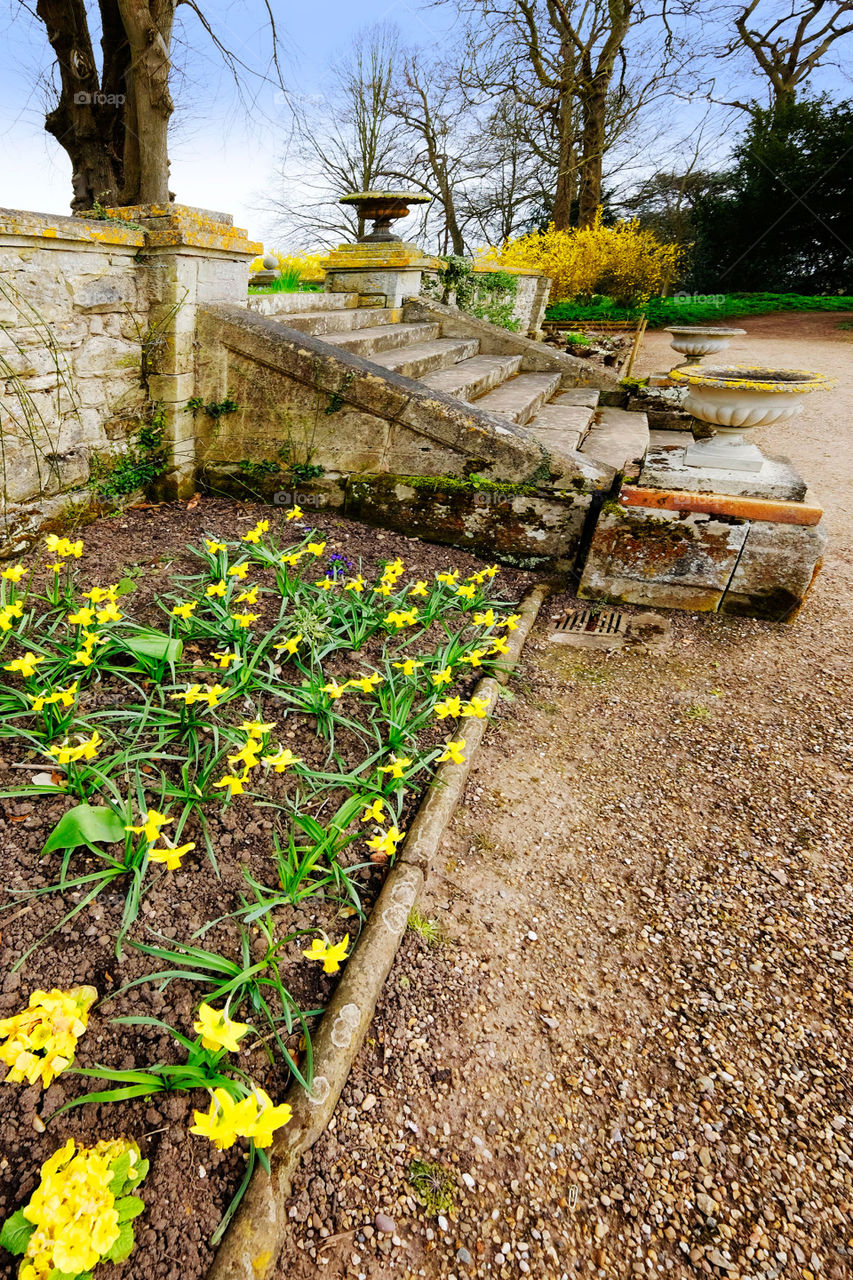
{"type": "Point", "coordinates": [595, 622]}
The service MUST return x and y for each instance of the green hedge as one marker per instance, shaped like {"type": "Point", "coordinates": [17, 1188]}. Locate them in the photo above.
{"type": "Point", "coordinates": [697, 308]}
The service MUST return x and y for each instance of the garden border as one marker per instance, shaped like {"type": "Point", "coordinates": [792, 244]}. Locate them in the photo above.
{"type": "Point", "coordinates": [254, 1239]}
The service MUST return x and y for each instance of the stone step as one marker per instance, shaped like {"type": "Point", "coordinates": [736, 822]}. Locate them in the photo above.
{"type": "Point", "coordinates": [474, 377]}
{"type": "Point", "coordinates": [368, 342]}
{"type": "Point", "coordinates": [271, 304]}
{"type": "Point", "coordinates": [345, 320]}
{"type": "Point", "coordinates": [563, 422]}
{"type": "Point", "coordinates": [520, 398]}
{"type": "Point", "coordinates": [618, 438]}
{"type": "Point", "coordinates": [423, 359]}
{"type": "Point", "coordinates": [586, 397]}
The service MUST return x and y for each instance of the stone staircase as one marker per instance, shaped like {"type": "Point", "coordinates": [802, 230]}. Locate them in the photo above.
{"type": "Point", "coordinates": [561, 417]}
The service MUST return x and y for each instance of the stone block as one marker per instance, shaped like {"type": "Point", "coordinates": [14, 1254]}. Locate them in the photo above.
{"type": "Point", "coordinates": [775, 571]}
{"type": "Point", "coordinates": [778, 479]}
{"type": "Point", "coordinates": [661, 558]}
{"type": "Point", "coordinates": [96, 295]}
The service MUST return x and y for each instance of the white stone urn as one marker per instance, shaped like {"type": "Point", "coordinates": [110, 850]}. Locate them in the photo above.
{"type": "Point", "coordinates": [734, 397]}
{"type": "Point", "coordinates": [696, 341]}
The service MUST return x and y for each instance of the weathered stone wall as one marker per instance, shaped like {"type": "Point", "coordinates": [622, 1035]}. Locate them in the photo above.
{"type": "Point", "coordinates": [73, 319]}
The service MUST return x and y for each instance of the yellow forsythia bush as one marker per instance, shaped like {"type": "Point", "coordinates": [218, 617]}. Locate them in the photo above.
{"type": "Point", "coordinates": [307, 265]}
{"type": "Point", "coordinates": [622, 261]}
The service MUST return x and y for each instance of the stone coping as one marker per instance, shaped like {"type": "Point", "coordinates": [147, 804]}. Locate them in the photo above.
{"type": "Point", "coordinates": [16, 224]}
{"type": "Point", "coordinates": [720, 504]}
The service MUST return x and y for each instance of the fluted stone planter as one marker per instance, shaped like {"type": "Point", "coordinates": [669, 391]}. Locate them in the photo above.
{"type": "Point", "coordinates": [696, 341]}
{"type": "Point", "coordinates": [733, 398]}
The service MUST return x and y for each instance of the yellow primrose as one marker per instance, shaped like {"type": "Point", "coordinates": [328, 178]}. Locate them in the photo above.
{"type": "Point", "coordinates": [26, 666]}
{"type": "Point", "coordinates": [355, 584]}
{"type": "Point", "coordinates": [213, 546]}
{"type": "Point", "coordinates": [245, 620]}
{"type": "Point", "coordinates": [225, 658]}
{"type": "Point", "coordinates": [290, 646]}
{"type": "Point", "coordinates": [233, 783]}
{"type": "Point", "coordinates": [82, 618]}
{"type": "Point", "coordinates": [170, 854]}
{"type": "Point", "coordinates": [316, 548]}
{"type": "Point", "coordinates": [185, 610]}
{"type": "Point", "coordinates": [397, 766]}
{"type": "Point", "coordinates": [386, 842]}
{"type": "Point", "coordinates": [450, 707]}
{"type": "Point", "coordinates": [293, 514]}
{"type": "Point", "coordinates": [477, 707]}
{"type": "Point", "coordinates": [453, 751]}
{"type": "Point", "coordinates": [217, 588]}
{"type": "Point", "coordinates": [331, 956]}
{"type": "Point", "coordinates": [467, 590]}
{"type": "Point", "coordinates": [442, 677]}
{"type": "Point", "coordinates": [282, 759]}
{"type": "Point", "coordinates": [239, 570]}
{"type": "Point", "coordinates": [486, 619]}
{"type": "Point", "coordinates": [374, 812]}
{"type": "Point", "coordinates": [14, 573]}
{"type": "Point", "coordinates": [408, 667]}
{"type": "Point", "coordinates": [40, 1042]}
{"type": "Point", "coordinates": [151, 824]}
{"type": "Point", "coordinates": [248, 597]}
{"type": "Point", "coordinates": [419, 589]}
{"type": "Point", "coordinates": [333, 689]}
{"type": "Point", "coordinates": [109, 613]}
{"type": "Point", "coordinates": [217, 1030]}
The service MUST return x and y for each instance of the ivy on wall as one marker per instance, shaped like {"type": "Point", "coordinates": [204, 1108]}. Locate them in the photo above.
{"type": "Point", "coordinates": [488, 295]}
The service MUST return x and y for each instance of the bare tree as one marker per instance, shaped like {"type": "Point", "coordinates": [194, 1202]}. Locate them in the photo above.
{"type": "Point", "coordinates": [113, 122]}
{"type": "Point", "coordinates": [790, 46]}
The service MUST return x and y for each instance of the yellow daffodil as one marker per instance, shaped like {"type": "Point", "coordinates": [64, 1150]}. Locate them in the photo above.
{"type": "Point", "coordinates": [84, 617]}
{"type": "Point", "coordinates": [268, 1118]}
{"type": "Point", "coordinates": [109, 613]}
{"type": "Point", "coordinates": [63, 547]}
{"type": "Point", "coordinates": [499, 645]}
{"type": "Point", "coordinates": [419, 589]}
{"type": "Point", "coordinates": [331, 955]}
{"type": "Point", "coordinates": [217, 1123]}
{"type": "Point", "coordinates": [450, 707]}
{"type": "Point", "coordinates": [334, 690]}
{"type": "Point", "coordinates": [14, 573]}
{"type": "Point", "coordinates": [408, 667]}
{"type": "Point", "coordinates": [233, 783]}
{"type": "Point", "coordinates": [374, 812]}
{"type": "Point", "coordinates": [365, 683]}
{"type": "Point", "coordinates": [282, 759]}
{"type": "Point", "coordinates": [449, 578]}
{"type": "Point", "coordinates": [467, 591]}
{"type": "Point", "coordinates": [99, 594]}
{"type": "Point", "coordinates": [474, 658]}
{"type": "Point", "coordinates": [254, 535]}
{"type": "Point", "coordinates": [56, 567]}
{"type": "Point", "coordinates": [8, 614]}
{"type": "Point", "coordinates": [213, 546]}
{"type": "Point", "coordinates": [486, 619]}
{"type": "Point", "coordinates": [65, 696]}
{"type": "Point", "coordinates": [325, 584]}
{"type": "Point", "coordinates": [209, 693]}
{"type": "Point", "coordinates": [510, 621]}
{"type": "Point", "coordinates": [290, 646]}
{"type": "Point", "coordinates": [294, 513]}
{"type": "Point", "coordinates": [397, 767]}
{"type": "Point", "coordinates": [217, 1030]}
{"type": "Point", "coordinates": [492, 571]}
{"type": "Point", "coordinates": [65, 753]}
{"type": "Point", "coordinates": [25, 666]}
{"type": "Point", "coordinates": [217, 588]}
{"type": "Point", "coordinates": [239, 570]}
{"type": "Point", "coordinates": [477, 707]}
{"type": "Point", "coordinates": [355, 584]}
{"type": "Point", "coordinates": [453, 751]}
{"type": "Point", "coordinates": [248, 597]}
{"type": "Point", "coordinates": [225, 658]}
{"type": "Point", "coordinates": [257, 728]}
{"type": "Point", "coordinates": [151, 824]}
{"type": "Point", "coordinates": [245, 620]}
{"type": "Point", "coordinates": [386, 843]}
{"type": "Point", "coordinates": [249, 756]}
{"type": "Point", "coordinates": [293, 559]}
{"type": "Point", "coordinates": [316, 548]}
{"type": "Point", "coordinates": [185, 610]}
{"type": "Point", "coordinates": [170, 854]}
{"type": "Point", "coordinates": [442, 677]}
{"type": "Point", "coordinates": [400, 618]}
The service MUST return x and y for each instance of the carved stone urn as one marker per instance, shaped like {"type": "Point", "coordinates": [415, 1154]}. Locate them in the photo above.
{"type": "Point", "coordinates": [696, 341]}
{"type": "Point", "coordinates": [382, 208]}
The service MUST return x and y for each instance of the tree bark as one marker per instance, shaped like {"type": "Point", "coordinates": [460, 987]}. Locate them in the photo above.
{"type": "Point", "coordinates": [148, 24]}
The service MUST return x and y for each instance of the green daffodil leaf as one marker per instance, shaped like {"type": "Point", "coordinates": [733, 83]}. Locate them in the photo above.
{"type": "Point", "coordinates": [153, 646]}
{"type": "Point", "coordinates": [85, 824]}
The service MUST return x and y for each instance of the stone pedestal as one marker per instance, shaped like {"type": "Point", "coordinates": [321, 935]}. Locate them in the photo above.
{"type": "Point", "coordinates": [382, 274]}
{"type": "Point", "coordinates": [743, 543]}
{"type": "Point", "coordinates": [193, 257]}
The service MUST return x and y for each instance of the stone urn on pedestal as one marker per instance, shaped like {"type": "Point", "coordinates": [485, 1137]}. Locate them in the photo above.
{"type": "Point", "coordinates": [696, 341]}
{"type": "Point", "coordinates": [380, 267]}
{"type": "Point", "coordinates": [734, 398]}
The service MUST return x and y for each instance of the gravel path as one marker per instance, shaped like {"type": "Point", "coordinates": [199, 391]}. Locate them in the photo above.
{"type": "Point", "coordinates": [632, 1054]}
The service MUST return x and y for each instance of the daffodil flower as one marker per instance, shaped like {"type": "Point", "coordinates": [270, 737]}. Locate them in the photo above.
{"type": "Point", "coordinates": [419, 589]}
{"type": "Point", "coordinates": [334, 690]}
{"type": "Point", "coordinates": [365, 683]}
{"type": "Point", "coordinates": [233, 783]}
{"type": "Point", "coordinates": [355, 584]}
{"type": "Point", "coordinates": [499, 645]}
{"type": "Point", "coordinates": [397, 767]}
{"type": "Point", "coordinates": [331, 956]}
{"type": "Point", "coordinates": [290, 646]}
{"type": "Point", "coordinates": [26, 666]}
{"type": "Point", "coordinates": [87, 749]}
{"type": "Point", "coordinates": [492, 571]}
{"type": "Point", "coordinates": [217, 1030]}
{"type": "Point", "coordinates": [486, 619]}
{"type": "Point", "coordinates": [82, 618]}
{"type": "Point", "coordinates": [150, 828]}
{"type": "Point", "coordinates": [386, 842]}
{"type": "Point", "coordinates": [510, 621]}
{"type": "Point", "coordinates": [56, 567]}
{"type": "Point", "coordinates": [14, 573]}
{"type": "Point", "coordinates": [268, 1119]}
{"type": "Point", "coordinates": [400, 618]}
{"type": "Point", "coordinates": [293, 559]}
{"type": "Point", "coordinates": [239, 570]}
{"type": "Point", "coordinates": [99, 594]}
{"type": "Point", "coordinates": [408, 667]}
{"type": "Point", "coordinates": [245, 620]}
{"type": "Point", "coordinates": [257, 728]}
{"type": "Point", "coordinates": [374, 812]}
{"type": "Point", "coordinates": [282, 759]}
{"type": "Point", "coordinates": [475, 657]}
{"type": "Point", "coordinates": [442, 677]}
{"type": "Point", "coordinates": [248, 597]}
{"type": "Point", "coordinates": [467, 591]}
{"type": "Point", "coordinates": [477, 707]}
{"type": "Point", "coordinates": [213, 546]}
{"type": "Point", "coordinates": [170, 854]}
{"type": "Point", "coordinates": [8, 613]}
{"type": "Point", "coordinates": [63, 547]}
{"type": "Point", "coordinates": [316, 548]}
{"type": "Point", "coordinates": [216, 588]}
{"type": "Point", "coordinates": [225, 658]}
{"type": "Point", "coordinates": [325, 584]}
{"type": "Point", "coordinates": [217, 1123]}
{"type": "Point", "coordinates": [293, 514]}
{"type": "Point", "coordinates": [450, 707]}
{"type": "Point", "coordinates": [248, 755]}
{"type": "Point", "coordinates": [453, 751]}
{"type": "Point", "coordinates": [109, 613]}
{"type": "Point", "coordinates": [254, 535]}
{"type": "Point", "coordinates": [65, 696]}
{"type": "Point", "coordinates": [449, 579]}
{"type": "Point", "coordinates": [185, 610]}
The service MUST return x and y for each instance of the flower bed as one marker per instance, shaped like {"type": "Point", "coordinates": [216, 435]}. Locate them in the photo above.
{"type": "Point", "coordinates": [208, 761]}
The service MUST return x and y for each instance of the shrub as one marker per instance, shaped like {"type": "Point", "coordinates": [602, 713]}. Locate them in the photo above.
{"type": "Point", "coordinates": [697, 309]}
{"type": "Point", "coordinates": [622, 261]}
{"type": "Point", "coordinates": [294, 269]}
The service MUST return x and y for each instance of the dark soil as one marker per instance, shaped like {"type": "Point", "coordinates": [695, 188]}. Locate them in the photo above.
{"type": "Point", "coordinates": [190, 1183]}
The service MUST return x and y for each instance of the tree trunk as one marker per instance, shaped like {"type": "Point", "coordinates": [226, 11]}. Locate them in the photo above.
{"type": "Point", "coordinates": [148, 24]}
{"type": "Point", "coordinates": [564, 194]}
{"type": "Point", "coordinates": [594, 103]}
